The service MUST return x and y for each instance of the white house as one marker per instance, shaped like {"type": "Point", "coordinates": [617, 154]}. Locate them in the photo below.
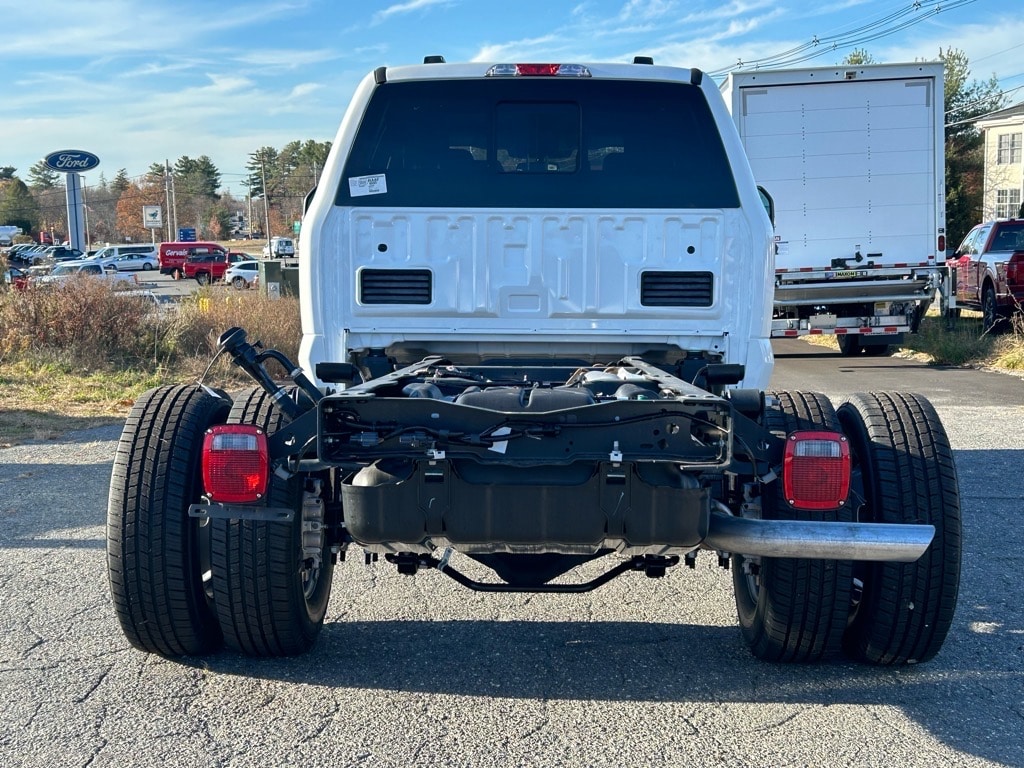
{"type": "Point", "coordinates": [1004, 164]}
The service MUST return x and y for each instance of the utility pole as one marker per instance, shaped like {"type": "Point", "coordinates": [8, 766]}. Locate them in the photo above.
{"type": "Point", "coordinates": [85, 213]}
{"type": "Point", "coordinates": [266, 200]}
{"type": "Point", "coordinates": [174, 207]}
{"type": "Point", "coordinates": [167, 197]}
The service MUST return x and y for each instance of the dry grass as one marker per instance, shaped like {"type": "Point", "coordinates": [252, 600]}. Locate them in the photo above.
{"type": "Point", "coordinates": [959, 342]}
{"type": "Point", "coordinates": [962, 342]}
{"type": "Point", "coordinates": [45, 400]}
{"type": "Point", "coordinates": [80, 355]}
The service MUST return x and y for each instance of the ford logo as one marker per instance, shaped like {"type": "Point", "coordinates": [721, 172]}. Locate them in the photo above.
{"type": "Point", "coordinates": [71, 161]}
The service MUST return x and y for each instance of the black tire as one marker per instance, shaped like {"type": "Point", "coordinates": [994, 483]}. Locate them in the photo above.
{"type": "Point", "coordinates": [849, 344]}
{"type": "Point", "coordinates": [203, 278]}
{"type": "Point", "coordinates": [156, 554]}
{"type": "Point", "coordinates": [239, 283]}
{"type": "Point", "coordinates": [991, 320]}
{"type": "Point", "coordinates": [903, 473]}
{"type": "Point", "coordinates": [270, 601]}
{"type": "Point", "coordinates": [146, 266]}
{"type": "Point", "coordinates": [794, 609]}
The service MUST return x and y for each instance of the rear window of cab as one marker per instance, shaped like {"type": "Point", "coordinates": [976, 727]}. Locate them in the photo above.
{"type": "Point", "coordinates": [538, 143]}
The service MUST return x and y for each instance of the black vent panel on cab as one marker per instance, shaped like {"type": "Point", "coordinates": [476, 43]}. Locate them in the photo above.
{"type": "Point", "coordinates": [395, 286]}
{"type": "Point", "coordinates": [676, 289]}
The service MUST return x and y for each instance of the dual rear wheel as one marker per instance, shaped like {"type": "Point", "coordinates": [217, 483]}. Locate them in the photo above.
{"type": "Point", "coordinates": [793, 609]}
{"type": "Point", "coordinates": [182, 588]}
{"type": "Point", "coordinates": [883, 613]}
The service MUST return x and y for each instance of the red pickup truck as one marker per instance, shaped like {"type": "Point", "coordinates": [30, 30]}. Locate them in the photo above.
{"type": "Point", "coordinates": [989, 270]}
{"type": "Point", "coordinates": [210, 267]}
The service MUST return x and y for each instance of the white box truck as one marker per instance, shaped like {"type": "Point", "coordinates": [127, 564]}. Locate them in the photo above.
{"type": "Point", "coordinates": [7, 235]}
{"type": "Point", "coordinates": [853, 157]}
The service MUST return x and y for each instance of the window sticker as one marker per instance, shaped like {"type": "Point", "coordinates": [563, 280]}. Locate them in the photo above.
{"type": "Point", "coordinates": [360, 186]}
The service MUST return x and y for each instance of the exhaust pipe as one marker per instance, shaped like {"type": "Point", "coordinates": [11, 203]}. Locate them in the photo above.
{"type": "Point", "coordinates": [881, 542]}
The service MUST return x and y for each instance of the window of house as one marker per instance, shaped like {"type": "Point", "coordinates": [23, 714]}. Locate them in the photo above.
{"type": "Point", "coordinates": [1007, 203]}
{"type": "Point", "coordinates": [1008, 149]}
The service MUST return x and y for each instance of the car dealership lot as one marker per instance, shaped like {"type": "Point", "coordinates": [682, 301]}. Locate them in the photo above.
{"type": "Point", "coordinates": [419, 671]}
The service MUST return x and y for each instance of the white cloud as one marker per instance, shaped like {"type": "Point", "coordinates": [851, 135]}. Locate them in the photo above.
{"type": "Point", "coordinates": [302, 90]}
{"type": "Point", "coordinates": [646, 9]}
{"type": "Point", "coordinates": [547, 46]}
{"type": "Point", "coordinates": [158, 69]}
{"type": "Point", "coordinates": [107, 27]}
{"type": "Point", "coordinates": [136, 82]}
{"type": "Point", "coordinates": [402, 8]}
{"type": "Point", "coordinates": [285, 58]}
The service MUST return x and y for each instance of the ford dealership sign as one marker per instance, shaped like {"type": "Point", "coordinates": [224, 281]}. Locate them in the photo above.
{"type": "Point", "coordinates": [71, 161]}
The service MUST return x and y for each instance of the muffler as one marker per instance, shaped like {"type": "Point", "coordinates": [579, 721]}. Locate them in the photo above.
{"type": "Point", "coordinates": [882, 542]}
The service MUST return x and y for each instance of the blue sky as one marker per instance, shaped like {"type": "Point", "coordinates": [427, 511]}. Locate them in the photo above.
{"type": "Point", "coordinates": [138, 82]}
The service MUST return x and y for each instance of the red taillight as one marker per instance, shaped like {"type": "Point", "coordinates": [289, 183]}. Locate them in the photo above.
{"type": "Point", "coordinates": [537, 69]}
{"type": "Point", "coordinates": [942, 246]}
{"type": "Point", "coordinates": [1015, 268]}
{"type": "Point", "coordinates": [816, 470]}
{"type": "Point", "coordinates": [235, 463]}
{"type": "Point", "coordinates": [544, 70]}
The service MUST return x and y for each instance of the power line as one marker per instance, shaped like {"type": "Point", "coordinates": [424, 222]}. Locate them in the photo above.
{"type": "Point", "coordinates": [984, 99]}
{"type": "Point", "coordinates": [976, 118]}
{"type": "Point", "coordinates": [998, 53]}
{"type": "Point", "coordinates": [822, 45]}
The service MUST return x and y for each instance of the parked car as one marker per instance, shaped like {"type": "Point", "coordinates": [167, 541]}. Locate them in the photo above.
{"type": "Point", "coordinates": [210, 267]}
{"type": "Point", "coordinates": [15, 278]}
{"type": "Point", "coordinates": [243, 274]}
{"type": "Point", "coordinates": [163, 303]}
{"type": "Point", "coordinates": [97, 258]}
{"type": "Point", "coordinates": [279, 248]}
{"type": "Point", "coordinates": [85, 268]}
{"type": "Point", "coordinates": [113, 251]}
{"type": "Point", "coordinates": [144, 262]}
{"type": "Point", "coordinates": [114, 255]}
{"type": "Point", "coordinates": [62, 253]}
{"type": "Point", "coordinates": [989, 269]}
{"type": "Point", "coordinates": [17, 248]}
{"type": "Point", "coordinates": [28, 255]}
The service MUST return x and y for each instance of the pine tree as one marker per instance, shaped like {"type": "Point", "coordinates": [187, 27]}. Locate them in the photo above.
{"type": "Point", "coordinates": [17, 205]}
{"type": "Point", "coordinates": [966, 101]}
{"type": "Point", "coordinates": [42, 176]}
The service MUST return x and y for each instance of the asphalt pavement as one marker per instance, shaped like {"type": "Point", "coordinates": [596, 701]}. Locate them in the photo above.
{"type": "Point", "coordinates": [419, 671]}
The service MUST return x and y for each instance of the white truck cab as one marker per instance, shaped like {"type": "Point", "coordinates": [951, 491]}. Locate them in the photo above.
{"type": "Point", "coordinates": [490, 210]}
